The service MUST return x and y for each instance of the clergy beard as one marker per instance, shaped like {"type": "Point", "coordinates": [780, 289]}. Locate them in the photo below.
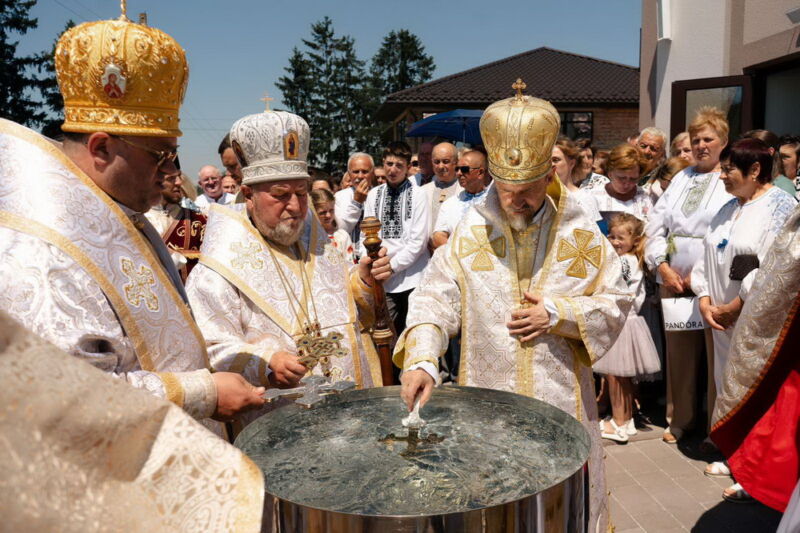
{"type": "Point", "coordinates": [283, 234]}
{"type": "Point", "coordinates": [517, 221]}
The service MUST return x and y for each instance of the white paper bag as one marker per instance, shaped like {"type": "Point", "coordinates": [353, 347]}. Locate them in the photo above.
{"type": "Point", "coordinates": [682, 314]}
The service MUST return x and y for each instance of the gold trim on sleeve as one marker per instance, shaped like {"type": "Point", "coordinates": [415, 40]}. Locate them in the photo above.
{"type": "Point", "coordinates": [173, 387]}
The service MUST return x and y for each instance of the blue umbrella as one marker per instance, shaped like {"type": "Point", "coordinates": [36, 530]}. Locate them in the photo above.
{"type": "Point", "coordinates": [457, 125]}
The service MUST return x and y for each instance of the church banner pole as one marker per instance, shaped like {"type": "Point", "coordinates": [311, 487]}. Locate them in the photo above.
{"type": "Point", "coordinates": [383, 334]}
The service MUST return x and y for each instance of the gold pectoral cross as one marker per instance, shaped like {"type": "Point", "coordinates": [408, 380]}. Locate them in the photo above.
{"type": "Point", "coordinates": [580, 253]}
{"type": "Point", "coordinates": [482, 247]}
{"type": "Point", "coordinates": [314, 348]}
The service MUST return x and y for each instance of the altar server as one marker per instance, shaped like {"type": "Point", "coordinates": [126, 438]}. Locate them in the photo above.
{"type": "Point", "coordinates": [274, 297]}
{"type": "Point", "coordinates": [79, 263]}
{"type": "Point", "coordinates": [530, 282]}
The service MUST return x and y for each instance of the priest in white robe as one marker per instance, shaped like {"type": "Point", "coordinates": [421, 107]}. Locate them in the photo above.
{"type": "Point", "coordinates": [274, 298]}
{"type": "Point", "coordinates": [530, 282]}
{"type": "Point", "coordinates": [79, 263]}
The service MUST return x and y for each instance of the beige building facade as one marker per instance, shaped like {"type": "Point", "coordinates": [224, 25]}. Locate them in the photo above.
{"type": "Point", "coordinates": [740, 55]}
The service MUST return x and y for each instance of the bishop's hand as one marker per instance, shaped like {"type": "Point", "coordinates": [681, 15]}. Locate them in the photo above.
{"type": "Point", "coordinates": [235, 395]}
{"type": "Point", "coordinates": [287, 370]}
{"type": "Point", "coordinates": [529, 322]}
{"type": "Point", "coordinates": [416, 382]}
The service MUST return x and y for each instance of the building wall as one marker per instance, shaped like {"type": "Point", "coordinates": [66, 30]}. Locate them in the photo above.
{"type": "Point", "coordinates": [697, 48]}
{"type": "Point", "coordinates": [709, 38]}
{"type": "Point", "coordinates": [612, 126]}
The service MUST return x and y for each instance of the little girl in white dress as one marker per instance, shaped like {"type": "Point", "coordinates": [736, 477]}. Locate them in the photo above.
{"type": "Point", "coordinates": [634, 354]}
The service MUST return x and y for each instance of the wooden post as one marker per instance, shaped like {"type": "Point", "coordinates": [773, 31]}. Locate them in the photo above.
{"type": "Point", "coordinates": [383, 334]}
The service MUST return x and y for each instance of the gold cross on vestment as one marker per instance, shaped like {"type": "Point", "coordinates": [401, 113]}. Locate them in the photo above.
{"type": "Point", "coordinates": [138, 289]}
{"type": "Point", "coordinates": [519, 86]}
{"type": "Point", "coordinates": [246, 255]}
{"type": "Point", "coordinates": [482, 247]}
{"type": "Point", "coordinates": [580, 253]}
{"type": "Point", "coordinates": [267, 99]}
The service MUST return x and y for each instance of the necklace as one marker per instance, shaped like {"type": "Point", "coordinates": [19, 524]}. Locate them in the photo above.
{"type": "Point", "coordinates": [313, 348]}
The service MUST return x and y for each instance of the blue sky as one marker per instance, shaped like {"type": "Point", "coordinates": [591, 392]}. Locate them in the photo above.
{"type": "Point", "coordinates": [237, 48]}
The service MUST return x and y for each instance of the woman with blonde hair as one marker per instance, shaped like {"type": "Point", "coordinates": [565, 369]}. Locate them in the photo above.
{"type": "Point", "coordinates": [675, 233]}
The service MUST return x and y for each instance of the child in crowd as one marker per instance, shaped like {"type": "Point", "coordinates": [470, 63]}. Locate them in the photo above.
{"type": "Point", "coordinates": [323, 202]}
{"type": "Point", "coordinates": [634, 355]}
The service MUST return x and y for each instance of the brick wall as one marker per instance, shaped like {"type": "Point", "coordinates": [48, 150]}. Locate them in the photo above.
{"type": "Point", "coordinates": [613, 125]}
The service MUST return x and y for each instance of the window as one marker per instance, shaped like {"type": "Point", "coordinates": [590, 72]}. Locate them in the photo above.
{"type": "Point", "coordinates": [576, 125]}
{"type": "Point", "coordinates": [731, 94]}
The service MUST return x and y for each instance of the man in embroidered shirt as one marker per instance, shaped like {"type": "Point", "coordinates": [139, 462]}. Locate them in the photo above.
{"type": "Point", "coordinates": [473, 179]}
{"type": "Point", "coordinates": [402, 208]}
{"type": "Point", "coordinates": [530, 282]}
{"type": "Point", "coordinates": [79, 263]}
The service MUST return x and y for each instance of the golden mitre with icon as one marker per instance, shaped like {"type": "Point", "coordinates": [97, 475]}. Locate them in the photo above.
{"type": "Point", "coordinates": [121, 77]}
{"type": "Point", "coordinates": [518, 134]}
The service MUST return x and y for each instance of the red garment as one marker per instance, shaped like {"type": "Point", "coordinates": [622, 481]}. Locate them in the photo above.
{"type": "Point", "coordinates": [761, 438]}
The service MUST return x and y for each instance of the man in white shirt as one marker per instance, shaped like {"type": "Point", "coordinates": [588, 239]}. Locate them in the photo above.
{"type": "Point", "coordinates": [210, 181]}
{"type": "Point", "coordinates": [474, 180]}
{"type": "Point", "coordinates": [349, 202]}
{"type": "Point", "coordinates": [402, 208]}
{"type": "Point", "coordinates": [444, 184]}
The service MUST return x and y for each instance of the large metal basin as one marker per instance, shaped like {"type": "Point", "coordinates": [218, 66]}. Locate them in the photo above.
{"type": "Point", "coordinates": [492, 461]}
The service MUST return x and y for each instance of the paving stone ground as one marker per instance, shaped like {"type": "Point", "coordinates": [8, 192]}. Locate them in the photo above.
{"type": "Point", "coordinates": [659, 487]}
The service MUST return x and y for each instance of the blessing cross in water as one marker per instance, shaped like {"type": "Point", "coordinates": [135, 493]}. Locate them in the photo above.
{"type": "Point", "coordinates": [311, 391]}
{"type": "Point", "coordinates": [267, 99]}
{"type": "Point", "coordinates": [413, 440]}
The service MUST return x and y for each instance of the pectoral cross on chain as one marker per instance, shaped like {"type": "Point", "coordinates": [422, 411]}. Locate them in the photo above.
{"type": "Point", "coordinates": [314, 348]}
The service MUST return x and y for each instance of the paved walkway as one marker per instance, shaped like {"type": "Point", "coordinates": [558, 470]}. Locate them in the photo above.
{"type": "Point", "coordinates": [658, 487]}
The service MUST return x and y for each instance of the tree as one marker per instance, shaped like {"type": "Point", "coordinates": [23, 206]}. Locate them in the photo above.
{"type": "Point", "coordinates": [18, 85]}
{"type": "Point", "coordinates": [324, 85]}
{"type": "Point", "coordinates": [400, 63]}
{"type": "Point", "coordinates": [52, 100]}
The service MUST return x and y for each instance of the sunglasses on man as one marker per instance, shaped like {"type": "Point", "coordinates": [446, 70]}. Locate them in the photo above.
{"type": "Point", "coordinates": [466, 169]}
{"type": "Point", "coordinates": [414, 163]}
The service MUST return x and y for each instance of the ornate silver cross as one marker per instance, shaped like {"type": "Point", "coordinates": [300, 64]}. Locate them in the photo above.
{"type": "Point", "coordinates": [311, 391]}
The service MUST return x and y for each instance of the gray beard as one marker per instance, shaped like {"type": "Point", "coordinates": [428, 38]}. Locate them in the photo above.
{"type": "Point", "coordinates": [282, 234]}
{"type": "Point", "coordinates": [518, 222]}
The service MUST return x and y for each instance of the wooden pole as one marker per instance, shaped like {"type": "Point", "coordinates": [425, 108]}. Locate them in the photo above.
{"type": "Point", "coordinates": [383, 334]}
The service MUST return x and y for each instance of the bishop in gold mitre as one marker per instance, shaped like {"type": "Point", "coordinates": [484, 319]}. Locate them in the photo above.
{"type": "Point", "coordinates": [529, 281]}
{"type": "Point", "coordinates": [80, 265]}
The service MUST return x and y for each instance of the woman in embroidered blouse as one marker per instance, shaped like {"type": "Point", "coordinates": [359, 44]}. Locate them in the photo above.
{"type": "Point", "coordinates": [734, 246]}
{"type": "Point", "coordinates": [675, 231]}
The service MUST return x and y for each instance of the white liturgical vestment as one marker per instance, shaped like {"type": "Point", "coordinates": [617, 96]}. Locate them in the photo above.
{"type": "Point", "coordinates": [478, 278]}
{"type": "Point", "coordinates": [76, 270]}
{"type": "Point", "coordinates": [251, 299]}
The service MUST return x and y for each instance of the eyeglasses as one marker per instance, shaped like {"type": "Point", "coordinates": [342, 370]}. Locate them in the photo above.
{"type": "Point", "coordinates": [414, 163]}
{"type": "Point", "coordinates": [162, 156]}
{"type": "Point", "coordinates": [466, 169]}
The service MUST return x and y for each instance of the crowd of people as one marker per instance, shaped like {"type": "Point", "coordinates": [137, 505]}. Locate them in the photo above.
{"type": "Point", "coordinates": [571, 275]}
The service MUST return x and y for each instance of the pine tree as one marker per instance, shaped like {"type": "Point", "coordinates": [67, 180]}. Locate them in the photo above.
{"type": "Point", "coordinates": [400, 63]}
{"type": "Point", "coordinates": [324, 85]}
{"type": "Point", "coordinates": [18, 85]}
